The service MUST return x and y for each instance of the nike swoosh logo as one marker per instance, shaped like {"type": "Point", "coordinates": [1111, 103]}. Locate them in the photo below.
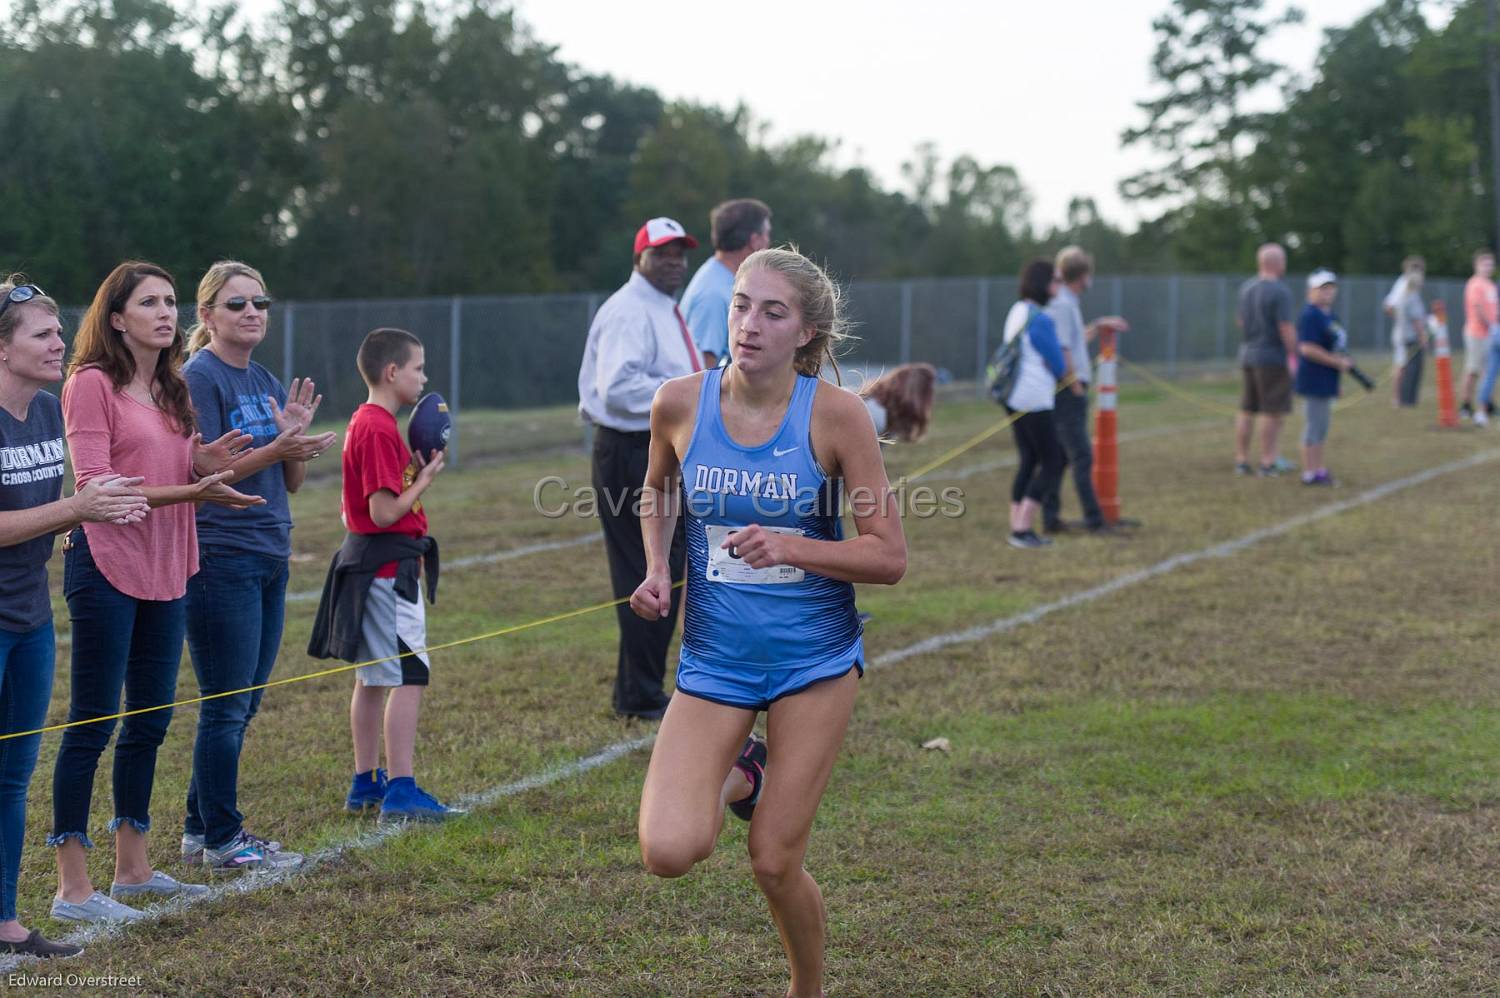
{"type": "Point", "coordinates": [778, 452]}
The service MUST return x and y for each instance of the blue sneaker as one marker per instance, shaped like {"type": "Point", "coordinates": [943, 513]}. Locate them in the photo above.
{"type": "Point", "coordinates": [405, 801]}
{"type": "Point", "coordinates": [366, 791]}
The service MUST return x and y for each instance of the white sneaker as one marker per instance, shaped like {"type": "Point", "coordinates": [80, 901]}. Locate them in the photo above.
{"type": "Point", "coordinates": [97, 908]}
{"type": "Point", "coordinates": [1481, 418]}
{"type": "Point", "coordinates": [192, 848]}
{"type": "Point", "coordinates": [249, 852]}
{"type": "Point", "coordinates": [159, 886]}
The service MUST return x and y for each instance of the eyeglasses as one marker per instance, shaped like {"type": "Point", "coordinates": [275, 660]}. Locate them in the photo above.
{"type": "Point", "coordinates": [20, 294]}
{"type": "Point", "coordinates": [262, 303]}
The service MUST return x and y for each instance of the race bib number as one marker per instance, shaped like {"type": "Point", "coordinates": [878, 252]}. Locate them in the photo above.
{"type": "Point", "coordinates": [725, 566]}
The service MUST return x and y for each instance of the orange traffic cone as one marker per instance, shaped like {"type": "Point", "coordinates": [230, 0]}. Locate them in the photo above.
{"type": "Point", "coordinates": [1106, 430]}
{"type": "Point", "coordinates": [1437, 327]}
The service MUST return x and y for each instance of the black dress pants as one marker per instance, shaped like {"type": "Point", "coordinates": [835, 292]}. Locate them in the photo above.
{"type": "Point", "coordinates": [619, 471]}
{"type": "Point", "coordinates": [1071, 415]}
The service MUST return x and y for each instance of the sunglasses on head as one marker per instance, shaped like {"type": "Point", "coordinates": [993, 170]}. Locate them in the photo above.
{"type": "Point", "coordinates": [262, 303]}
{"type": "Point", "coordinates": [20, 294]}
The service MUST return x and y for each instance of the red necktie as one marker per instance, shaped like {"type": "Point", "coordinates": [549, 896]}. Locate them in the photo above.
{"type": "Point", "coordinates": [687, 338]}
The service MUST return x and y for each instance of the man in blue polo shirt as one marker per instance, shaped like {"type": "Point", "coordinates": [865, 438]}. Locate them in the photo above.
{"type": "Point", "coordinates": [739, 228]}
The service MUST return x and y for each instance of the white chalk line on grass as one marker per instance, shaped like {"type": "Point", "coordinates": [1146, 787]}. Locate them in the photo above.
{"type": "Point", "coordinates": [956, 475]}
{"type": "Point", "coordinates": [308, 595]}
{"type": "Point", "coordinates": [1175, 562]}
{"type": "Point", "coordinates": [246, 883]}
{"type": "Point", "coordinates": [562, 771]}
{"type": "Point", "coordinates": [469, 561]}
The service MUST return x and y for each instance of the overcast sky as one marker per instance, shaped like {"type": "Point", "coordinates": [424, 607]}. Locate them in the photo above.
{"type": "Point", "coordinates": [1045, 87]}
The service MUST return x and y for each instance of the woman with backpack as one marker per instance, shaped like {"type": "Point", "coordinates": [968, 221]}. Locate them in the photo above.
{"type": "Point", "coordinates": [1030, 365]}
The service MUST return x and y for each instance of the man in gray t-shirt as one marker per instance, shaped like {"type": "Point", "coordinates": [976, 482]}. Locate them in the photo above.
{"type": "Point", "coordinates": [1265, 319]}
{"type": "Point", "coordinates": [1265, 306]}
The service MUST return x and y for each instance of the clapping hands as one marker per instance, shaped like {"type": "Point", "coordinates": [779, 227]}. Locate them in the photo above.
{"type": "Point", "coordinates": [301, 406]}
{"type": "Point", "coordinates": [111, 499]}
{"type": "Point", "coordinates": [210, 459]}
{"type": "Point", "coordinates": [293, 443]}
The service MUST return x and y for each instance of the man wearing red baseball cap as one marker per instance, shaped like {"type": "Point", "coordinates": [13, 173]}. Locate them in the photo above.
{"type": "Point", "coordinates": [637, 341]}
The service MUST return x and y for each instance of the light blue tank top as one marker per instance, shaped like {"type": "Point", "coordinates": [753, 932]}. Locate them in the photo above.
{"type": "Point", "coordinates": [768, 619]}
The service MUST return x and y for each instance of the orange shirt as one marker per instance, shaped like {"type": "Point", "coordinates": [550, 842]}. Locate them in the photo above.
{"type": "Point", "coordinates": [1481, 307]}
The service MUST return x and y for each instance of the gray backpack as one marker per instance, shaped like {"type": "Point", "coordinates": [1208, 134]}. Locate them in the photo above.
{"type": "Point", "coordinates": [1005, 366]}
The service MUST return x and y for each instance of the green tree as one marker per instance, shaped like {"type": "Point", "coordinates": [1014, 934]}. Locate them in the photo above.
{"type": "Point", "coordinates": [1210, 62]}
{"type": "Point", "coordinates": [120, 147]}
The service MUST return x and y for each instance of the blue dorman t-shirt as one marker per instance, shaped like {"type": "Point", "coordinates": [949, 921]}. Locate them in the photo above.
{"type": "Point", "coordinates": [1323, 329]}
{"type": "Point", "coordinates": [31, 475]}
{"type": "Point", "coordinates": [231, 398]}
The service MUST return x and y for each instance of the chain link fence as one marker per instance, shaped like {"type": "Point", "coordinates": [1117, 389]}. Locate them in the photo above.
{"type": "Point", "coordinates": [521, 351]}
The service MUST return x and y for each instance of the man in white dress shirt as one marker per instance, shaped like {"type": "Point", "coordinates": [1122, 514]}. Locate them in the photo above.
{"type": "Point", "coordinates": [637, 341]}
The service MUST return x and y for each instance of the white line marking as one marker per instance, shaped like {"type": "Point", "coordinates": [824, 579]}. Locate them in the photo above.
{"type": "Point", "coordinates": [620, 749]}
{"type": "Point", "coordinates": [470, 561]}
{"type": "Point", "coordinates": [245, 883]}
{"type": "Point", "coordinates": [309, 595]}
{"type": "Point", "coordinates": [1175, 562]}
{"type": "Point", "coordinates": [957, 475]}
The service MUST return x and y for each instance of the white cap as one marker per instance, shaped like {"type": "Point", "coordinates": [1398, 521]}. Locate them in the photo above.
{"type": "Point", "coordinates": [659, 232]}
{"type": "Point", "coordinates": [1320, 277]}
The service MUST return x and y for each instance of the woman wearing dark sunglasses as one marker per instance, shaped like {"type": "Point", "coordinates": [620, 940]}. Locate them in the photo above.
{"type": "Point", "coordinates": [127, 411]}
{"type": "Point", "coordinates": [236, 602]}
{"type": "Point", "coordinates": [32, 511]}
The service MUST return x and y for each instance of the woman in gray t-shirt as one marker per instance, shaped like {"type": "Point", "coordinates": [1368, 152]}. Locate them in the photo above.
{"type": "Point", "coordinates": [32, 512]}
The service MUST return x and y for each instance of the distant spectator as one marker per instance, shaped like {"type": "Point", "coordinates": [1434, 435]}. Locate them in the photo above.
{"type": "Point", "coordinates": [1403, 303]}
{"type": "Point", "coordinates": [1042, 366]}
{"type": "Point", "coordinates": [1481, 323]}
{"type": "Point", "coordinates": [900, 402]}
{"type": "Point", "coordinates": [739, 228]}
{"type": "Point", "coordinates": [1075, 272]}
{"type": "Point", "coordinates": [638, 340]}
{"type": "Point", "coordinates": [1265, 319]}
{"type": "Point", "coordinates": [1322, 345]}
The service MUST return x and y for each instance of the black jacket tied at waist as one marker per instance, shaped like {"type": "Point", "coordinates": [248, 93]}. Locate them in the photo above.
{"type": "Point", "coordinates": [341, 609]}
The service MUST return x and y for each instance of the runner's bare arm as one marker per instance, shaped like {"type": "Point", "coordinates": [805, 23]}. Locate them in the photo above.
{"type": "Point", "coordinates": [672, 412]}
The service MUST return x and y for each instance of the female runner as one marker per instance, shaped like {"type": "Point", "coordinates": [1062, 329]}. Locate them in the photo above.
{"type": "Point", "coordinates": [760, 451]}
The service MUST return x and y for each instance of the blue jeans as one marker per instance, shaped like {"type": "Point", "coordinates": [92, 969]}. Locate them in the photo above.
{"type": "Point", "coordinates": [1491, 370]}
{"type": "Point", "coordinates": [25, 689]}
{"type": "Point", "coordinates": [236, 604]}
{"type": "Point", "coordinates": [119, 643]}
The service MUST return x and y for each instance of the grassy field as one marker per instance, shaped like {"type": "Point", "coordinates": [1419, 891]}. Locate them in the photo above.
{"type": "Point", "coordinates": [1269, 772]}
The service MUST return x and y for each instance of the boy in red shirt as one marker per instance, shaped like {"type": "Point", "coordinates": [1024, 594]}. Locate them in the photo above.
{"type": "Point", "coordinates": [372, 602]}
